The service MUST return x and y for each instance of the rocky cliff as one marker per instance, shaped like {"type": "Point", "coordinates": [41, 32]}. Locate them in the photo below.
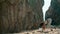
{"type": "Point", "coordinates": [20, 15]}
{"type": "Point", "coordinates": [54, 12]}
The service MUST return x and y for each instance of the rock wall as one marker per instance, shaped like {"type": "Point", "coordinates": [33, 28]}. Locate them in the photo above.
{"type": "Point", "coordinates": [54, 12]}
{"type": "Point", "coordinates": [20, 15]}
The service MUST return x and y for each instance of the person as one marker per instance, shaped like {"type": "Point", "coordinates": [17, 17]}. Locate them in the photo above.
{"type": "Point", "coordinates": [43, 26]}
{"type": "Point", "coordinates": [48, 22]}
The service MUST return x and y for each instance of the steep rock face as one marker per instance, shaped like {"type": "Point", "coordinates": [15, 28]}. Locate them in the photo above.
{"type": "Point", "coordinates": [20, 15]}
{"type": "Point", "coordinates": [54, 12]}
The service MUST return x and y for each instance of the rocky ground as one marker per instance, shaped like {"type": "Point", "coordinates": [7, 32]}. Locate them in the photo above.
{"type": "Point", "coordinates": [39, 31]}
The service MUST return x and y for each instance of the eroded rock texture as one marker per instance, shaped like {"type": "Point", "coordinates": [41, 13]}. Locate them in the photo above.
{"type": "Point", "coordinates": [20, 15]}
{"type": "Point", "coordinates": [54, 12]}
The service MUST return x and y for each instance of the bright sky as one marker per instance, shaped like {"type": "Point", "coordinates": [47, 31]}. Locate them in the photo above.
{"type": "Point", "coordinates": [45, 7]}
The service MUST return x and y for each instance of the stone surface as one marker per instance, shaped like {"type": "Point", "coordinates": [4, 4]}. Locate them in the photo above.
{"type": "Point", "coordinates": [55, 31]}
{"type": "Point", "coordinates": [54, 12]}
{"type": "Point", "coordinates": [20, 15]}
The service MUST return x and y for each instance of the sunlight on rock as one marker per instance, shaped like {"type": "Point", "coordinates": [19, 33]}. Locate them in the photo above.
{"type": "Point", "coordinates": [45, 7]}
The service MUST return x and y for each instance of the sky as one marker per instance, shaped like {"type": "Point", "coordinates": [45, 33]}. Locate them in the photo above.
{"type": "Point", "coordinates": [45, 7]}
